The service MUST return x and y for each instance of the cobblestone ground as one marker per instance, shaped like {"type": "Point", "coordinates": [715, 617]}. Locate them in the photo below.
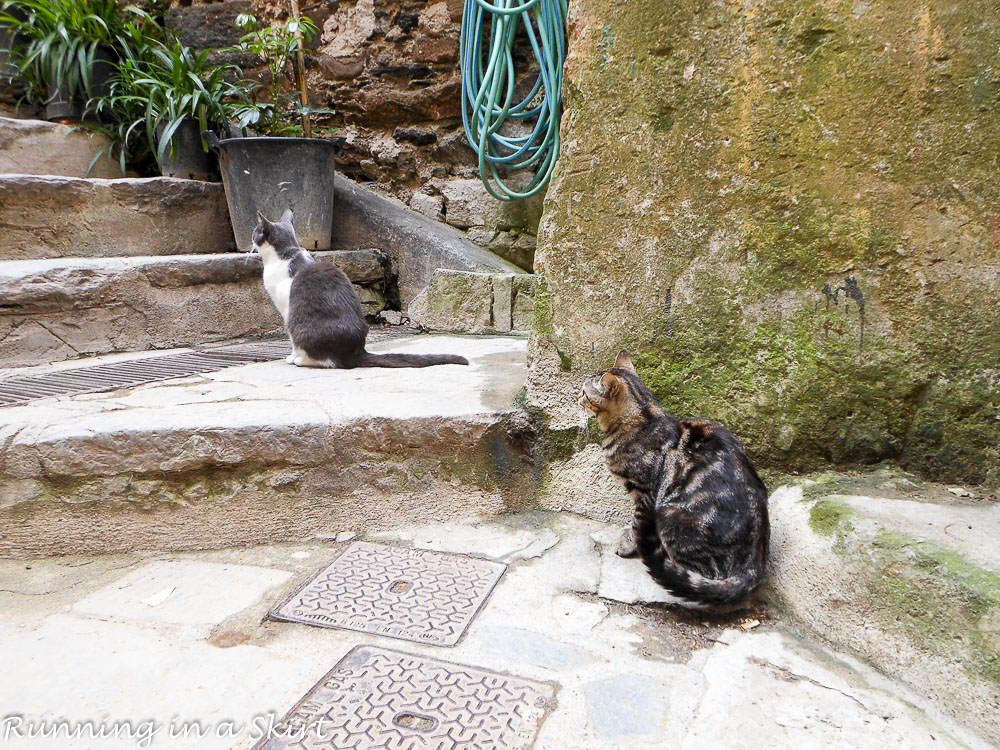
{"type": "Point", "coordinates": [166, 645]}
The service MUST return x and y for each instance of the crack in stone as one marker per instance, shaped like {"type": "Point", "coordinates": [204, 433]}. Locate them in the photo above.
{"type": "Point", "coordinates": [796, 676]}
{"type": "Point", "coordinates": [65, 588]}
{"type": "Point", "coordinates": [57, 336]}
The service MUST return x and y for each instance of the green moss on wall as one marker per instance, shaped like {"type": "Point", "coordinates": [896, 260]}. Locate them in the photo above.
{"type": "Point", "coordinates": [787, 210]}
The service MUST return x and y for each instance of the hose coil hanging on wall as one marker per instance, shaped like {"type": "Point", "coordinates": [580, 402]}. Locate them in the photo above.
{"type": "Point", "coordinates": [488, 79]}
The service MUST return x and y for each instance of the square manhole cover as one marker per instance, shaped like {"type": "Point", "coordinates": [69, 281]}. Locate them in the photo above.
{"type": "Point", "coordinates": [378, 698]}
{"type": "Point", "coordinates": [413, 594]}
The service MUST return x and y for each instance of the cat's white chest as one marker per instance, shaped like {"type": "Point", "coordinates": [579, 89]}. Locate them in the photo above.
{"type": "Point", "coordinates": [278, 284]}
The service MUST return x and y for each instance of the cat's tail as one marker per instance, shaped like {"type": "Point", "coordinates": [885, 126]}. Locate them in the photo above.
{"type": "Point", "coordinates": [367, 359]}
{"type": "Point", "coordinates": [684, 582]}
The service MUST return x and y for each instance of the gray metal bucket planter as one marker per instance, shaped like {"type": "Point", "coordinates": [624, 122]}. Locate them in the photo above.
{"type": "Point", "coordinates": [272, 174]}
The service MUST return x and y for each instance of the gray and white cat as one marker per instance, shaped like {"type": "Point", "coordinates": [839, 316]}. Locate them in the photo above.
{"type": "Point", "coordinates": [320, 307]}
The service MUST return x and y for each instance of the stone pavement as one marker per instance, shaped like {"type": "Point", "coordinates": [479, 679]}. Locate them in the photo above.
{"type": "Point", "coordinates": [180, 638]}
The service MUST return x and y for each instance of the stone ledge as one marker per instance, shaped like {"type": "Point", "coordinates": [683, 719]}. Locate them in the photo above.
{"type": "Point", "coordinates": [39, 147]}
{"type": "Point", "coordinates": [893, 581]}
{"type": "Point", "coordinates": [59, 308]}
{"type": "Point", "coordinates": [57, 217]}
{"type": "Point", "coordinates": [418, 246]}
{"type": "Point", "coordinates": [467, 302]}
{"type": "Point", "coordinates": [66, 283]}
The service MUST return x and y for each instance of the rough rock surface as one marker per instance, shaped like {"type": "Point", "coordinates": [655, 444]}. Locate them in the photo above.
{"type": "Point", "coordinates": [390, 71]}
{"type": "Point", "coordinates": [57, 217]}
{"type": "Point", "coordinates": [417, 246]}
{"type": "Point", "coordinates": [60, 308]}
{"type": "Point", "coordinates": [904, 581]}
{"type": "Point", "coordinates": [39, 147]}
{"type": "Point", "coordinates": [505, 227]}
{"type": "Point", "coordinates": [265, 452]}
{"type": "Point", "coordinates": [466, 302]}
{"type": "Point", "coordinates": [582, 484]}
{"type": "Point", "coordinates": [211, 26]}
{"type": "Point", "coordinates": [786, 209]}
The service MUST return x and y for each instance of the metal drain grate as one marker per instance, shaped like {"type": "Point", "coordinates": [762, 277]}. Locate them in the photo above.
{"type": "Point", "coordinates": [377, 698]}
{"type": "Point", "coordinates": [133, 372]}
{"type": "Point", "coordinates": [413, 594]}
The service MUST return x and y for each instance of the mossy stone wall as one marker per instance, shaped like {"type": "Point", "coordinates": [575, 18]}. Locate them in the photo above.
{"type": "Point", "coordinates": [789, 211]}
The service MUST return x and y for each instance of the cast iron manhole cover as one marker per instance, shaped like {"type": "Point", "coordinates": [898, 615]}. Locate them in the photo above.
{"type": "Point", "coordinates": [413, 594]}
{"type": "Point", "coordinates": [377, 698]}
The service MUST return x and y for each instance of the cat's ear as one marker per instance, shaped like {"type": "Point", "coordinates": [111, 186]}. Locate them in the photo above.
{"type": "Point", "coordinates": [261, 218]}
{"type": "Point", "coordinates": [611, 384]}
{"type": "Point", "coordinates": [286, 218]}
{"type": "Point", "coordinates": [624, 361]}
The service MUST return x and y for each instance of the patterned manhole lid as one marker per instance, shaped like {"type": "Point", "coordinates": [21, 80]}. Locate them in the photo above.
{"type": "Point", "coordinates": [413, 594]}
{"type": "Point", "coordinates": [378, 698]}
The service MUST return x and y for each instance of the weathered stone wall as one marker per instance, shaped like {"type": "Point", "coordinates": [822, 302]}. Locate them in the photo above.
{"type": "Point", "coordinates": [390, 70]}
{"type": "Point", "coordinates": [787, 210]}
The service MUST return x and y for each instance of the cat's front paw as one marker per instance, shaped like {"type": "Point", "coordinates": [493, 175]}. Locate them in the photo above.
{"type": "Point", "coordinates": [290, 359]}
{"type": "Point", "coordinates": [626, 546]}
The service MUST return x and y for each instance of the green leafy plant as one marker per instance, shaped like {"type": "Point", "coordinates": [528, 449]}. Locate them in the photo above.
{"type": "Point", "coordinates": [158, 84]}
{"type": "Point", "coordinates": [169, 83]}
{"type": "Point", "coordinates": [280, 112]}
{"type": "Point", "coordinates": [63, 43]}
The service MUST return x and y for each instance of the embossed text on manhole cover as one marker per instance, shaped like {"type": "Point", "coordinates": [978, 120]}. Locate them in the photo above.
{"type": "Point", "coordinates": [411, 594]}
{"type": "Point", "coordinates": [378, 698]}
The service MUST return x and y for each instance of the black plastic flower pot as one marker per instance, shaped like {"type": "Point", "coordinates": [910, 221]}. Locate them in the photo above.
{"type": "Point", "coordinates": [64, 104]}
{"type": "Point", "coordinates": [273, 174]}
{"type": "Point", "coordinates": [187, 156]}
{"type": "Point", "coordinates": [9, 40]}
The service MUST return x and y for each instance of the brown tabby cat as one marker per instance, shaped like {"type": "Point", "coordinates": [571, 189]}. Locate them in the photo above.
{"type": "Point", "coordinates": [701, 524]}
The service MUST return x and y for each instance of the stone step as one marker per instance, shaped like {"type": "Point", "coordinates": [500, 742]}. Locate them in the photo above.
{"type": "Point", "coordinates": [265, 452]}
{"type": "Point", "coordinates": [39, 147]}
{"type": "Point", "coordinates": [904, 574]}
{"type": "Point", "coordinates": [62, 217]}
{"type": "Point", "coordinates": [65, 307]}
{"type": "Point", "coordinates": [418, 245]}
{"type": "Point", "coordinates": [471, 302]}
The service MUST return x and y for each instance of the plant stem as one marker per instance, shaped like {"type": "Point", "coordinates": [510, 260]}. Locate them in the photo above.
{"type": "Point", "coordinates": [300, 71]}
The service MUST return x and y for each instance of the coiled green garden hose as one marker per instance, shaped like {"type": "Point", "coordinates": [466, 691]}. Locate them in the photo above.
{"type": "Point", "coordinates": [488, 78]}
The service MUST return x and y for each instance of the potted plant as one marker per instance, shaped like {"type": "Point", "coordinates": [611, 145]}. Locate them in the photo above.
{"type": "Point", "coordinates": [65, 54]}
{"type": "Point", "coordinates": [276, 169]}
{"type": "Point", "coordinates": [10, 39]}
{"type": "Point", "coordinates": [163, 96]}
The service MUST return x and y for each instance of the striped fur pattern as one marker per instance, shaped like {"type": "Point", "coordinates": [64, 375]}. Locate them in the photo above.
{"type": "Point", "coordinates": [320, 307]}
{"type": "Point", "coordinates": [701, 524]}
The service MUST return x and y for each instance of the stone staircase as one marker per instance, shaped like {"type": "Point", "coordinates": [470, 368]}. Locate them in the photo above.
{"type": "Point", "coordinates": [40, 147]}
{"type": "Point", "coordinates": [114, 268]}
{"type": "Point", "coordinates": [263, 452]}
{"type": "Point", "coordinates": [53, 216]}
{"type": "Point", "coordinates": [91, 265]}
